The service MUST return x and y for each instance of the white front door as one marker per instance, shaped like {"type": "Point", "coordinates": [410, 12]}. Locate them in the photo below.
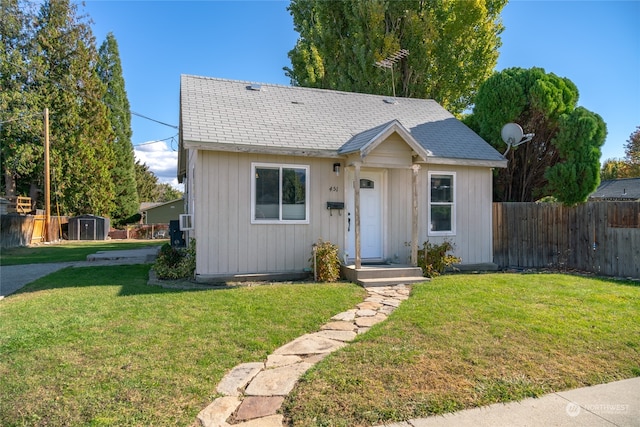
{"type": "Point", "coordinates": [371, 231]}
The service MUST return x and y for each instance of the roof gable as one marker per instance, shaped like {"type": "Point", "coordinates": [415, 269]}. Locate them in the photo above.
{"type": "Point", "coordinates": [229, 115]}
{"type": "Point", "coordinates": [365, 142]}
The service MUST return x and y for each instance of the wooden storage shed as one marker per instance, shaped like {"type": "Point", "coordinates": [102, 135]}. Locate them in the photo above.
{"type": "Point", "coordinates": [88, 227]}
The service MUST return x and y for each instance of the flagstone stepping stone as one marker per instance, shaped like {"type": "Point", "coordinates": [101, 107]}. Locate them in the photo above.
{"type": "Point", "coordinates": [369, 305]}
{"type": "Point", "coordinates": [277, 360]}
{"type": "Point", "coordinates": [265, 385]}
{"type": "Point", "coordinates": [310, 344]}
{"type": "Point", "coordinates": [216, 414]}
{"type": "Point", "coordinates": [277, 381]}
{"type": "Point", "coordinates": [338, 326]}
{"type": "Point", "coordinates": [258, 406]}
{"type": "Point", "coordinates": [270, 421]}
{"type": "Point", "coordinates": [313, 359]}
{"type": "Point", "coordinates": [346, 316]}
{"type": "Point", "coordinates": [392, 302]}
{"type": "Point", "coordinates": [238, 378]}
{"type": "Point", "coordinates": [367, 322]}
{"type": "Point", "coordinates": [387, 309]}
{"type": "Point", "coordinates": [337, 335]}
{"type": "Point", "coordinates": [366, 313]}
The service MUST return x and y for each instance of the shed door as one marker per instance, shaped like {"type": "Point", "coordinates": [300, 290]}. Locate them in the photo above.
{"type": "Point", "coordinates": [370, 217]}
{"type": "Point", "coordinates": [87, 229]}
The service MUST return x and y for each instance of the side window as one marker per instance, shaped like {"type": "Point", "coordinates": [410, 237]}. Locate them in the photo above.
{"type": "Point", "coordinates": [279, 194]}
{"type": "Point", "coordinates": [442, 203]}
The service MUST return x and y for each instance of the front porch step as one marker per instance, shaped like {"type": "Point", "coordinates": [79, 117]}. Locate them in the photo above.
{"type": "Point", "coordinates": [389, 281]}
{"type": "Point", "coordinates": [383, 275]}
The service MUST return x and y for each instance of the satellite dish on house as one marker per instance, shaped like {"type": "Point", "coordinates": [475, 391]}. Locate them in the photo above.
{"type": "Point", "coordinates": [512, 135]}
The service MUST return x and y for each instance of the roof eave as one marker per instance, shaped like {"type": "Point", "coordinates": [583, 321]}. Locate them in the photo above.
{"type": "Point", "coordinates": [260, 149]}
{"type": "Point", "coordinates": [489, 163]}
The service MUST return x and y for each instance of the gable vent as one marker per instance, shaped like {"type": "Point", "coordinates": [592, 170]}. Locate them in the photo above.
{"type": "Point", "coordinates": [255, 87]}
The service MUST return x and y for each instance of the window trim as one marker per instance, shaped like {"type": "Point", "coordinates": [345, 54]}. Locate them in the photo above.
{"type": "Point", "coordinates": [279, 166]}
{"type": "Point", "coordinates": [186, 222]}
{"type": "Point", "coordinates": [453, 204]}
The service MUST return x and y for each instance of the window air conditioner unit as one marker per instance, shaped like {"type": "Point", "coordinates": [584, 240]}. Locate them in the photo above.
{"type": "Point", "coordinates": [186, 222]}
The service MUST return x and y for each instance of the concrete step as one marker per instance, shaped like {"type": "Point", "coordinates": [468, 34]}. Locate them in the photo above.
{"type": "Point", "coordinates": [388, 281]}
{"type": "Point", "coordinates": [380, 271]}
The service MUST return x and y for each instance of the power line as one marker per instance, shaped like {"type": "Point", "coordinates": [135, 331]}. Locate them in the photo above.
{"type": "Point", "coordinates": [22, 117]}
{"type": "Point", "coordinates": [73, 92]}
{"type": "Point", "coordinates": [153, 120]}
{"type": "Point", "coordinates": [155, 141]}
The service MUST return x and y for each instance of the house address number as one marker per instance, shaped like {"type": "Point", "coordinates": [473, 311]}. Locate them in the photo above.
{"type": "Point", "coordinates": [332, 189]}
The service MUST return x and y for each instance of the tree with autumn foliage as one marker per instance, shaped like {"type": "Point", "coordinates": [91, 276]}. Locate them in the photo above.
{"type": "Point", "coordinates": [453, 47]}
{"type": "Point", "coordinates": [629, 166]}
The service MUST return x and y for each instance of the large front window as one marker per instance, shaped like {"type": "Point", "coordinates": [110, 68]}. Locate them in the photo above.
{"type": "Point", "coordinates": [279, 194]}
{"type": "Point", "coordinates": [442, 203]}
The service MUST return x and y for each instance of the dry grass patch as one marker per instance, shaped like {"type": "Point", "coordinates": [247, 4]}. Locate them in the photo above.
{"type": "Point", "coordinates": [469, 340]}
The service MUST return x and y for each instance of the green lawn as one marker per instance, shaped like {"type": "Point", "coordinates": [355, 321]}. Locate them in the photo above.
{"type": "Point", "coordinates": [462, 341]}
{"type": "Point", "coordinates": [99, 347]}
{"type": "Point", "coordinates": [68, 251]}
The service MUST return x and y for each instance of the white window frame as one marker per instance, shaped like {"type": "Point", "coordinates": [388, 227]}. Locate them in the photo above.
{"type": "Point", "coordinates": [186, 222]}
{"type": "Point", "coordinates": [453, 204]}
{"type": "Point", "coordinates": [279, 166]}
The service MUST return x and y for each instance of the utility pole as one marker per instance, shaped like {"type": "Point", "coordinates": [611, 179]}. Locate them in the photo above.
{"type": "Point", "coordinates": [47, 179]}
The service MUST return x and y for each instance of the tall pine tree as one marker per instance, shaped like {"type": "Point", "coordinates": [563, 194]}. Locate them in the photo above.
{"type": "Point", "coordinates": [65, 80]}
{"type": "Point", "coordinates": [21, 141]}
{"type": "Point", "coordinates": [123, 174]}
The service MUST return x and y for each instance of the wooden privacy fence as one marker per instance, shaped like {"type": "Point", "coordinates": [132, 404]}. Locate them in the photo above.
{"type": "Point", "coordinates": [599, 237]}
{"type": "Point", "coordinates": [23, 230]}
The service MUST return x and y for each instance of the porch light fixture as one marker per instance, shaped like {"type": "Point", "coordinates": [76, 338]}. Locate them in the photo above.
{"type": "Point", "coordinates": [336, 168]}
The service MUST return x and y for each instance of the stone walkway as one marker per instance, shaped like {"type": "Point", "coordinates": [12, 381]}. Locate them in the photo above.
{"type": "Point", "coordinates": [252, 393]}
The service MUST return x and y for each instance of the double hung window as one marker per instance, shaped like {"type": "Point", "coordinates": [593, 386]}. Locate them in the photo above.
{"type": "Point", "coordinates": [279, 194]}
{"type": "Point", "coordinates": [442, 203]}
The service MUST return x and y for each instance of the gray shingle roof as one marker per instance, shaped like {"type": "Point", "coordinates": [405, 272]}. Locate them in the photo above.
{"type": "Point", "coordinates": [618, 189]}
{"type": "Point", "coordinates": [226, 114]}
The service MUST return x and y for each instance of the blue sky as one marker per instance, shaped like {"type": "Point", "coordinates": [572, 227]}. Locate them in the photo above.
{"type": "Point", "coordinates": [596, 44]}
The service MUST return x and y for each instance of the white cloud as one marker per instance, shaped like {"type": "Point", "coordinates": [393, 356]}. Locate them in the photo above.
{"type": "Point", "coordinates": [161, 160]}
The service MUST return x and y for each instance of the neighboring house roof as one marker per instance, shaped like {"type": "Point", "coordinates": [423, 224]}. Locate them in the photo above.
{"type": "Point", "coordinates": [618, 189]}
{"type": "Point", "coordinates": [228, 115]}
{"type": "Point", "coordinates": [145, 206]}
{"type": "Point", "coordinates": [148, 205]}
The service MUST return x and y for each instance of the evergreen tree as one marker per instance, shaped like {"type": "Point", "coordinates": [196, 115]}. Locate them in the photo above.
{"type": "Point", "coordinates": [65, 80]}
{"type": "Point", "coordinates": [123, 174]}
{"type": "Point", "coordinates": [452, 44]}
{"type": "Point", "coordinates": [21, 141]}
{"type": "Point", "coordinates": [147, 183]}
{"type": "Point", "coordinates": [563, 159]}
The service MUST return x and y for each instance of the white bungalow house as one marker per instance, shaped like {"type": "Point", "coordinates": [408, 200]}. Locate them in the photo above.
{"type": "Point", "coordinates": [269, 169]}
